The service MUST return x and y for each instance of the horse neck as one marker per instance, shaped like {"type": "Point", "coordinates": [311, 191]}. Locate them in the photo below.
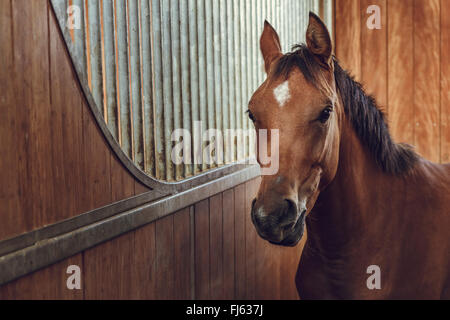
{"type": "Point", "coordinates": [346, 212]}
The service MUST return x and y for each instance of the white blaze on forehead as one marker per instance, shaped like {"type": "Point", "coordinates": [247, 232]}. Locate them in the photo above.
{"type": "Point", "coordinates": [282, 94]}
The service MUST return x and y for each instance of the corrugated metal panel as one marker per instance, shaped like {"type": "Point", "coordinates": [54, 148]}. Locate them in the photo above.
{"type": "Point", "coordinates": [158, 65]}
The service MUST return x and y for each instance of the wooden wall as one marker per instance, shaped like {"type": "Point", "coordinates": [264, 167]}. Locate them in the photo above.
{"type": "Point", "coordinates": [207, 251]}
{"type": "Point", "coordinates": [405, 65]}
{"type": "Point", "coordinates": [54, 162]}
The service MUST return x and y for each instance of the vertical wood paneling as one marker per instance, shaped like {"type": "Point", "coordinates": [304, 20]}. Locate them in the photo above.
{"type": "Point", "coordinates": [445, 80]}
{"type": "Point", "coordinates": [9, 192]}
{"type": "Point", "coordinates": [63, 165]}
{"type": "Point", "coordinates": [251, 189]}
{"type": "Point", "coordinates": [427, 76]}
{"type": "Point", "coordinates": [182, 254]}
{"type": "Point", "coordinates": [228, 245]}
{"type": "Point", "coordinates": [239, 232]}
{"type": "Point", "coordinates": [66, 135]}
{"type": "Point", "coordinates": [165, 279]}
{"type": "Point", "coordinates": [348, 37]}
{"type": "Point", "coordinates": [96, 164]}
{"type": "Point", "coordinates": [31, 59]}
{"type": "Point", "coordinates": [401, 69]}
{"type": "Point", "coordinates": [123, 185]}
{"type": "Point", "coordinates": [46, 284]}
{"type": "Point", "coordinates": [202, 253]}
{"type": "Point", "coordinates": [174, 256]}
{"type": "Point", "coordinates": [412, 47]}
{"type": "Point", "coordinates": [374, 53]}
{"type": "Point", "coordinates": [144, 271]}
{"type": "Point", "coordinates": [107, 269]}
{"type": "Point", "coordinates": [216, 246]}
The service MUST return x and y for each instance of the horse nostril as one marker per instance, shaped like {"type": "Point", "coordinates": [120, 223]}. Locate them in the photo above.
{"type": "Point", "coordinates": [291, 209]}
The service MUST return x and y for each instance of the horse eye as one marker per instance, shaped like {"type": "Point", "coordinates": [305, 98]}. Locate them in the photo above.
{"type": "Point", "coordinates": [250, 115]}
{"type": "Point", "coordinates": [325, 114]}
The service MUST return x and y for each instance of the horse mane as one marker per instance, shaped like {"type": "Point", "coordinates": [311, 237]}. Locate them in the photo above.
{"type": "Point", "coordinates": [361, 109]}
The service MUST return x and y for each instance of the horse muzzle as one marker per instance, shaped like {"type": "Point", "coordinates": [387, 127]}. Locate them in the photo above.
{"type": "Point", "coordinates": [283, 224]}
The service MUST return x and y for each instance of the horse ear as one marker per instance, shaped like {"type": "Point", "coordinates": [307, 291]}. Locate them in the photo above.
{"type": "Point", "coordinates": [270, 45]}
{"type": "Point", "coordinates": [318, 40]}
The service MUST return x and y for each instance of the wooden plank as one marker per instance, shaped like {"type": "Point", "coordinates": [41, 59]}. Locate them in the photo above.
{"type": "Point", "coordinates": [228, 244]}
{"type": "Point", "coordinates": [374, 53]}
{"type": "Point", "coordinates": [239, 242]}
{"type": "Point", "coordinates": [22, 84]}
{"type": "Point", "coordinates": [182, 253]}
{"type": "Point", "coordinates": [202, 260]}
{"type": "Point", "coordinates": [96, 164]}
{"type": "Point", "coordinates": [30, 34]}
{"type": "Point", "coordinates": [111, 265]}
{"type": "Point", "coordinates": [46, 284]}
{"type": "Point", "coordinates": [139, 188]}
{"type": "Point", "coordinates": [144, 272]}
{"type": "Point", "coordinates": [107, 269]}
{"type": "Point", "coordinates": [251, 188]}
{"type": "Point", "coordinates": [165, 280]}
{"type": "Point", "coordinates": [427, 77]}
{"type": "Point", "coordinates": [11, 215]}
{"type": "Point", "coordinates": [66, 122]}
{"type": "Point", "coordinates": [348, 35]}
{"type": "Point", "coordinates": [216, 246]}
{"type": "Point", "coordinates": [445, 81]}
{"type": "Point", "coordinates": [41, 152]}
{"type": "Point", "coordinates": [122, 183]}
{"type": "Point", "coordinates": [400, 76]}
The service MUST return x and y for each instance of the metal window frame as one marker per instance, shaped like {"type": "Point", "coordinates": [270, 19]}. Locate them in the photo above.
{"type": "Point", "coordinates": [78, 62]}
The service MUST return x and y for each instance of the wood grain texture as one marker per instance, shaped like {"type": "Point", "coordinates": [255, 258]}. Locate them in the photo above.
{"type": "Point", "coordinates": [165, 263]}
{"type": "Point", "coordinates": [107, 269]}
{"type": "Point", "coordinates": [239, 242]}
{"type": "Point", "coordinates": [427, 78]}
{"type": "Point", "coordinates": [9, 192]}
{"type": "Point", "coordinates": [193, 253]}
{"type": "Point", "coordinates": [144, 272]}
{"type": "Point", "coordinates": [404, 65]}
{"type": "Point", "coordinates": [56, 161]}
{"type": "Point", "coordinates": [374, 51]}
{"type": "Point", "coordinates": [31, 93]}
{"type": "Point", "coordinates": [348, 35]}
{"type": "Point", "coordinates": [228, 244]}
{"type": "Point", "coordinates": [216, 246]}
{"type": "Point", "coordinates": [182, 254]}
{"type": "Point", "coordinates": [66, 129]}
{"type": "Point", "coordinates": [445, 81]}
{"type": "Point", "coordinates": [46, 284]}
{"type": "Point", "coordinates": [400, 77]}
{"type": "Point", "coordinates": [251, 188]}
{"type": "Point", "coordinates": [202, 258]}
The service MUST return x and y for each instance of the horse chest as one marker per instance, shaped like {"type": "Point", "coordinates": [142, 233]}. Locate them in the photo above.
{"type": "Point", "coordinates": [320, 279]}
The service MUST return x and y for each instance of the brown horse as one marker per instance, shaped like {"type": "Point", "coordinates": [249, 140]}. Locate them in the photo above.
{"type": "Point", "coordinates": [377, 215]}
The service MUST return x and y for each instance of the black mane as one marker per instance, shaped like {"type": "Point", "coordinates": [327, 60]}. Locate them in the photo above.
{"type": "Point", "coordinates": [367, 119]}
